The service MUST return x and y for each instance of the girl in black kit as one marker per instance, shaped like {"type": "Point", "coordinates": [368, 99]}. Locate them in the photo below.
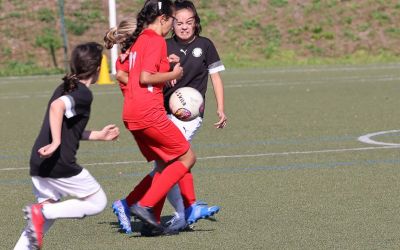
{"type": "Point", "coordinates": [199, 59]}
{"type": "Point", "coordinates": [53, 167]}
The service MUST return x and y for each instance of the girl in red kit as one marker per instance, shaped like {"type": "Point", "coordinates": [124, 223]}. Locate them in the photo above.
{"type": "Point", "coordinates": [144, 114]}
{"type": "Point", "coordinates": [121, 36]}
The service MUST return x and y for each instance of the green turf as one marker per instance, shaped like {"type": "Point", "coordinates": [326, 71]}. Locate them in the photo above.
{"type": "Point", "coordinates": [287, 171]}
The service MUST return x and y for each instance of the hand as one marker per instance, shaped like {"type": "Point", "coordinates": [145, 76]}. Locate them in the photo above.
{"type": "Point", "coordinates": [222, 119]}
{"type": "Point", "coordinates": [109, 133]}
{"type": "Point", "coordinates": [171, 83]}
{"type": "Point", "coordinates": [48, 150]}
{"type": "Point", "coordinates": [178, 71]}
{"type": "Point", "coordinates": [173, 58]}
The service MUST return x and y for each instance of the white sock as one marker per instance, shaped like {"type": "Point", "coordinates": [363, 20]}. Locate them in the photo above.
{"type": "Point", "coordinates": [175, 198]}
{"type": "Point", "coordinates": [76, 208]}
{"type": "Point", "coordinates": [23, 242]}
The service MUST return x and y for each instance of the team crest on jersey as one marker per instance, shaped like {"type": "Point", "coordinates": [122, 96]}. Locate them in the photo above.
{"type": "Point", "coordinates": [197, 52]}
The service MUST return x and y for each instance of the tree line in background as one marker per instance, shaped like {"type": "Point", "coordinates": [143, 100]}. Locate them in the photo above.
{"type": "Point", "coordinates": [253, 33]}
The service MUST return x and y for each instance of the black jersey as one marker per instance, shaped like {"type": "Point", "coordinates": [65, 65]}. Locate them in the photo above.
{"type": "Point", "coordinates": [62, 163]}
{"type": "Point", "coordinates": [198, 59]}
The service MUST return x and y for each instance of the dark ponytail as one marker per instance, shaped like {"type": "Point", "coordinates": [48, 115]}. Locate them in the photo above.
{"type": "Point", "coordinates": [70, 83]}
{"type": "Point", "coordinates": [147, 15]}
{"type": "Point", "coordinates": [84, 64]}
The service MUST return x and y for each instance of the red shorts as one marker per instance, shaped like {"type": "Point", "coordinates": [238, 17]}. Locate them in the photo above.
{"type": "Point", "coordinates": [163, 141]}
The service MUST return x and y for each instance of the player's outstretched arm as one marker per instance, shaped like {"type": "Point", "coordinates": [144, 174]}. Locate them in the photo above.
{"type": "Point", "coordinates": [219, 96]}
{"type": "Point", "coordinates": [56, 114]}
{"type": "Point", "coordinates": [108, 133]}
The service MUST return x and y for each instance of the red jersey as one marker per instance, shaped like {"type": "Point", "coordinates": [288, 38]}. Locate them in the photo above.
{"type": "Point", "coordinates": [144, 103]}
{"type": "Point", "coordinates": [122, 64]}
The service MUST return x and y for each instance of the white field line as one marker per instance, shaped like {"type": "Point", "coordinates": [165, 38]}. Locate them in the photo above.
{"type": "Point", "coordinates": [324, 79]}
{"type": "Point", "coordinates": [318, 69]}
{"type": "Point", "coordinates": [6, 80]}
{"type": "Point", "coordinates": [243, 156]}
{"type": "Point", "coordinates": [237, 84]}
{"type": "Point", "coordinates": [367, 138]}
{"type": "Point", "coordinates": [305, 82]}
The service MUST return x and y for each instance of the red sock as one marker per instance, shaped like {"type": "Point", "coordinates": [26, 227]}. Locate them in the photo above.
{"type": "Point", "coordinates": [187, 189]}
{"type": "Point", "coordinates": [168, 177]}
{"type": "Point", "coordinates": [157, 209]}
{"type": "Point", "coordinates": [139, 191]}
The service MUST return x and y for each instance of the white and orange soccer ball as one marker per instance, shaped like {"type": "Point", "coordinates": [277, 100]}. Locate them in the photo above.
{"type": "Point", "coordinates": [186, 103]}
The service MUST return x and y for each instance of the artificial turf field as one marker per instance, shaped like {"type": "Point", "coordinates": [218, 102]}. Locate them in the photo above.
{"type": "Point", "coordinates": [288, 170]}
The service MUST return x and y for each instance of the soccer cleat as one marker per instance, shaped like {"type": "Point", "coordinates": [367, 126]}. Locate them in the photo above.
{"type": "Point", "coordinates": [121, 210]}
{"type": "Point", "coordinates": [146, 215]}
{"type": "Point", "coordinates": [199, 210]}
{"type": "Point", "coordinates": [177, 223]}
{"type": "Point", "coordinates": [35, 221]}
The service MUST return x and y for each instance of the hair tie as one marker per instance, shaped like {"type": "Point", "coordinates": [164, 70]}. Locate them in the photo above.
{"type": "Point", "coordinates": [159, 5]}
{"type": "Point", "coordinates": [73, 78]}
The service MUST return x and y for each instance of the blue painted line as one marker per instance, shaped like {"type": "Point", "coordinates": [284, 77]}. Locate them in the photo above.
{"type": "Point", "coordinates": [133, 149]}
{"type": "Point", "coordinates": [239, 169]}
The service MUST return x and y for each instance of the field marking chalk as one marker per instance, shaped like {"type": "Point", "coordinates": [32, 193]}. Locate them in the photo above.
{"type": "Point", "coordinates": [244, 156]}
{"type": "Point", "coordinates": [367, 138]}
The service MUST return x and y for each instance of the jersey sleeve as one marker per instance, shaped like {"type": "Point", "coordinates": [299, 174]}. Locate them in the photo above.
{"type": "Point", "coordinates": [213, 61]}
{"type": "Point", "coordinates": [124, 66]}
{"type": "Point", "coordinates": [153, 55]}
{"type": "Point", "coordinates": [77, 102]}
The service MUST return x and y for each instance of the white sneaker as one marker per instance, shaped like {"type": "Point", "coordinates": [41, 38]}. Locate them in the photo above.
{"type": "Point", "coordinates": [177, 223]}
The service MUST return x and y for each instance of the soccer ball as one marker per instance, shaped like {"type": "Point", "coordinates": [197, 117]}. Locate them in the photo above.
{"type": "Point", "coordinates": [186, 103]}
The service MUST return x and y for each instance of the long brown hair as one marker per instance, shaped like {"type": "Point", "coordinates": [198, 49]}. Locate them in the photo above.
{"type": "Point", "coordinates": [148, 14]}
{"type": "Point", "coordinates": [84, 64]}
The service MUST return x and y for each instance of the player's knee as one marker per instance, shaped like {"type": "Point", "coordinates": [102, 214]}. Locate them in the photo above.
{"type": "Point", "coordinates": [99, 200]}
{"type": "Point", "coordinates": [191, 159]}
{"type": "Point", "coordinates": [194, 159]}
{"type": "Point", "coordinates": [103, 201]}
{"type": "Point", "coordinates": [188, 159]}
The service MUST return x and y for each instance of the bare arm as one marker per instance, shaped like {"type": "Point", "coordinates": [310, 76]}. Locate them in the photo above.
{"type": "Point", "coordinates": [219, 96]}
{"type": "Point", "coordinates": [161, 78]}
{"type": "Point", "coordinates": [56, 114]}
{"type": "Point", "coordinates": [122, 76]}
{"type": "Point", "coordinates": [108, 133]}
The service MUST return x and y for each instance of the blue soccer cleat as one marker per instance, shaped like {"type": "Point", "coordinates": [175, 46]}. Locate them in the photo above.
{"type": "Point", "coordinates": [122, 211]}
{"type": "Point", "coordinates": [199, 210]}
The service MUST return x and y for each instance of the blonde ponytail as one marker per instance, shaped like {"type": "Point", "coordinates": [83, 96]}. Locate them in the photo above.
{"type": "Point", "coordinates": [110, 38]}
{"type": "Point", "coordinates": [120, 35]}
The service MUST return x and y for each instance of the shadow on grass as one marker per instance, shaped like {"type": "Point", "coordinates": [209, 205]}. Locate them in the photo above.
{"type": "Point", "coordinates": [137, 226]}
